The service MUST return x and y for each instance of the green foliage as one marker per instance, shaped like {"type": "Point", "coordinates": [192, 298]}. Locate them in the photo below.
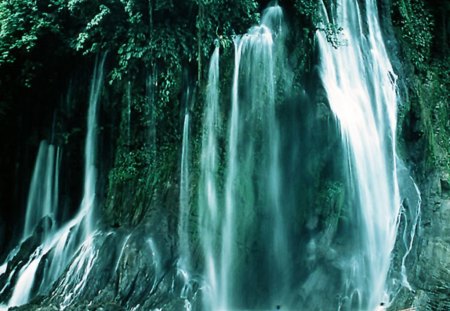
{"type": "Point", "coordinates": [308, 9]}
{"type": "Point", "coordinates": [221, 19]}
{"type": "Point", "coordinates": [90, 30]}
{"type": "Point", "coordinates": [431, 96]}
{"type": "Point", "coordinates": [135, 32]}
{"type": "Point", "coordinates": [160, 39]}
{"type": "Point", "coordinates": [21, 23]}
{"type": "Point", "coordinates": [24, 26]}
{"type": "Point", "coordinates": [217, 22]}
{"type": "Point", "coordinates": [417, 25]}
{"type": "Point", "coordinates": [334, 35]}
{"type": "Point", "coordinates": [426, 128]}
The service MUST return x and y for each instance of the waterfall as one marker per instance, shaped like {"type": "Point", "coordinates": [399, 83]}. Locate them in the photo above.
{"type": "Point", "coordinates": [183, 226]}
{"type": "Point", "coordinates": [90, 150]}
{"type": "Point", "coordinates": [60, 244]}
{"type": "Point", "coordinates": [278, 225]}
{"type": "Point", "coordinates": [361, 86]}
{"type": "Point", "coordinates": [43, 194]}
{"type": "Point", "coordinates": [209, 164]}
{"type": "Point", "coordinates": [248, 212]}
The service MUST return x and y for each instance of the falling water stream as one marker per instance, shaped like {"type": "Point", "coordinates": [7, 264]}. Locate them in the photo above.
{"type": "Point", "coordinates": [361, 86]}
{"type": "Point", "coordinates": [228, 224]}
{"type": "Point", "coordinates": [183, 227]}
{"type": "Point", "coordinates": [243, 227]}
{"type": "Point", "coordinates": [247, 243]}
{"type": "Point", "coordinates": [43, 195]}
{"type": "Point", "coordinates": [60, 245]}
{"type": "Point", "coordinates": [208, 196]}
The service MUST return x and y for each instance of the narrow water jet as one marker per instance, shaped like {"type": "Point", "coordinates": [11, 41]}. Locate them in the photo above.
{"type": "Point", "coordinates": [409, 221]}
{"type": "Point", "coordinates": [90, 151]}
{"type": "Point", "coordinates": [184, 261]}
{"type": "Point", "coordinates": [209, 164]}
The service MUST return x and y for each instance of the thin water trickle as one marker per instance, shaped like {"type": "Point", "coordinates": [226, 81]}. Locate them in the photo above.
{"type": "Point", "coordinates": [209, 161]}
{"type": "Point", "coordinates": [409, 220]}
{"type": "Point", "coordinates": [90, 151]}
{"type": "Point", "coordinates": [184, 262]}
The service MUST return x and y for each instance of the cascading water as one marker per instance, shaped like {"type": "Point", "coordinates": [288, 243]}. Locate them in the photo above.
{"type": "Point", "coordinates": [90, 151]}
{"type": "Point", "coordinates": [60, 245]}
{"type": "Point", "coordinates": [247, 213]}
{"type": "Point", "coordinates": [208, 196]}
{"type": "Point", "coordinates": [253, 253]}
{"type": "Point", "coordinates": [77, 235]}
{"type": "Point", "coordinates": [40, 217]}
{"type": "Point", "coordinates": [184, 262]}
{"type": "Point", "coordinates": [43, 194]}
{"type": "Point", "coordinates": [359, 80]}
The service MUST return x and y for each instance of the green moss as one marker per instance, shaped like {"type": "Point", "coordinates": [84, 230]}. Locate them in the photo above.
{"type": "Point", "coordinates": [425, 114]}
{"type": "Point", "coordinates": [416, 30]}
{"type": "Point", "coordinates": [429, 118]}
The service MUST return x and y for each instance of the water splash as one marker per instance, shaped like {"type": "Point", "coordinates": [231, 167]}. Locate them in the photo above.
{"type": "Point", "coordinates": [25, 281]}
{"type": "Point", "coordinates": [360, 84]}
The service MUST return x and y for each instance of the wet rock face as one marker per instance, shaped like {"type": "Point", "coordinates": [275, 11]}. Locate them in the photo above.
{"type": "Point", "coordinates": [432, 272]}
{"type": "Point", "coordinates": [117, 270]}
{"type": "Point", "coordinates": [428, 267]}
{"type": "Point", "coordinates": [20, 257]}
{"type": "Point", "coordinates": [17, 262]}
{"type": "Point", "coordinates": [428, 264]}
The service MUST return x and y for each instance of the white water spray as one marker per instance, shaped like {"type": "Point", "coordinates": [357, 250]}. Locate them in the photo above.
{"type": "Point", "coordinates": [360, 83]}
